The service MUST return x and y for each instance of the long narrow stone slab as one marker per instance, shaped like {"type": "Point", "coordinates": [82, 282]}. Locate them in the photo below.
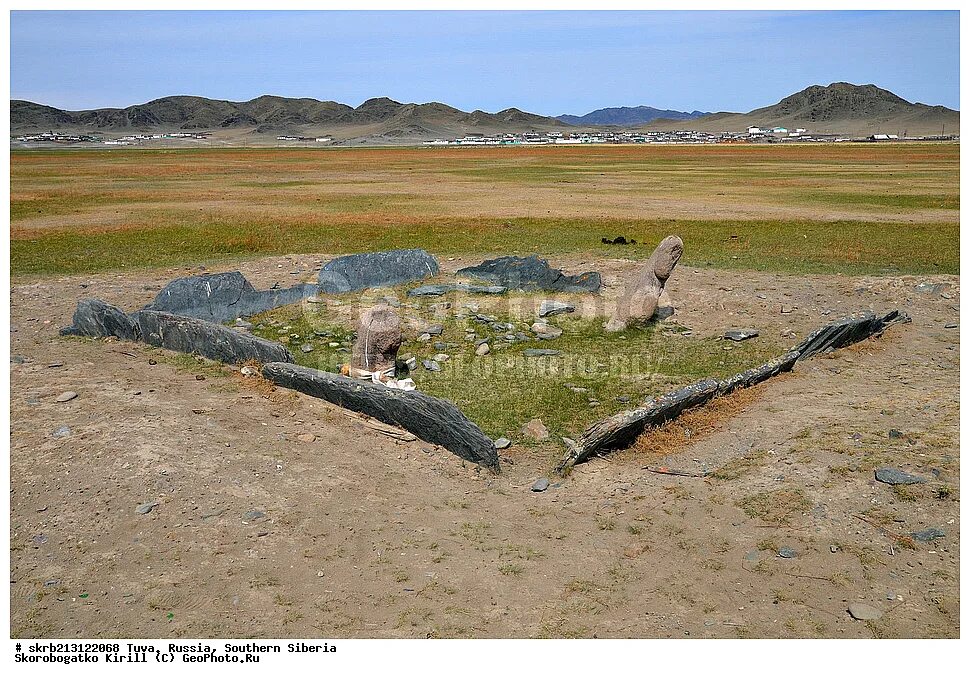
{"type": "Point", "coordinates": [848, 331]}
{"type": "Point", "coordinates": [431, 419]}
{"type": "Point", "coordinates": [622, 429]}
{"type": "Point", "coordinates": [195, 336]}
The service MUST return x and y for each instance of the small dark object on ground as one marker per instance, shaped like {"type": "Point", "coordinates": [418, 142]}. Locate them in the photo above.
{"type": "Point", "coordinates": [619, 240]}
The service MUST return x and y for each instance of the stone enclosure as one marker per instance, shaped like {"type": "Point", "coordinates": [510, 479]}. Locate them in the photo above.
{"type": "Point", "coordinates": [188, 316]}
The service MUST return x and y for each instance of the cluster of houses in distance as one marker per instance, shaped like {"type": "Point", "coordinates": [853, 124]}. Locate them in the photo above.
{"type": "Point", "coordinates": [753, 134]}
{"type": "Point", "coordinates": [127, 140]}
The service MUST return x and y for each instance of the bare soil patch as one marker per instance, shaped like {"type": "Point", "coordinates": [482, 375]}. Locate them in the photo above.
{"type": "Point", "coordinates": [281, 516]}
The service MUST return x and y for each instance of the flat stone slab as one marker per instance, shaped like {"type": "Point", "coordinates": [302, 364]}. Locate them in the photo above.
{"type": "Point", "coordinates": [740, 335]}
{"type": "Point", "coordinates": [549, 307]}
{"type": "Point", "coordinates": [532, 273]}
{"type": "Point", "coordinates": [222, 297]}
{"type": "Point", "coordinates": [195, 336]}
{"type": "Point", "coordinates": [861, 611]}
{"type": "Point", "coordinates": [540, 352]}
{"type": "Point", "coordinates": [436, 290]}
{"type": "Point", "coordinates": [928, 534]}
{"type": "Point", "coordinates": [376, 270]}
{"type": "Point", "coordinates": [431, 419]}
{"type": "Point", "coordinates": [897, 477]}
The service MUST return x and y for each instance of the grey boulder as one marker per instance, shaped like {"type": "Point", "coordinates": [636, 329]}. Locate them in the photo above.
{"type": "Point", "coordinates": [532, 273]}
{"type": "Point", "coordinates": [376, 270]}
{"type": "Point", "coordinates": [223, 297]}
{"type": "Point", "coordinates": [96, 318]}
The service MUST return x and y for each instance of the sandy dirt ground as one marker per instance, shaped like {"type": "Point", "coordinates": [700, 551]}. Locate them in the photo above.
{"type": "Point", "coordinates": [282, 516]}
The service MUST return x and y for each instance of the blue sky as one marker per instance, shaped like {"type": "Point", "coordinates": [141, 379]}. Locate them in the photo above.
{"type": "Point", "coordinates": [544, 62]}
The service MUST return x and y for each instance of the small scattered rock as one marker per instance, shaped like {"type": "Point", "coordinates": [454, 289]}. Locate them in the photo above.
{"type": "Point", "coordinates": [433, 366]}
{"type": "Point", "coordinates": [248, 371]}
{"type": "Point", "coordinates": [306, 348]}
{"type": "Point", "coordinates": [951, 326]}
{"type": "Point", "coordinates": [833, 548]}
{"type": "Point", "coordinates": [861, 611]}
{"type": "Point", "coordinates": [66, 396]}
{"type": "Point", "coordinates": [928, 535]}
{"type": "Point", "coordinates": [535, 429]}
{"type": "Point", "coordinates": [61, 432]}
{"type": "Point", "coordinates": [895, 434]}
{"type": "Point", "coordinates": [545, 331]}
{"type": "Point", "coordinates": [740, 335]}
{"type": "Point", "coordinates": [434, 330]}
{"type": "Point", "coordinates": [540, 485]}
{"type": "Point", "coordinates": [18, 360]}
{"type": "Point", "coordinates": [897, 477]}
{"type": "Point", "coordinates": [549, 307]}
{"type": "Point", "coordinates": [482, 349]}
{"type": "Point", "coordinates": [502, 443]}
{"type": "Point", "coordinates": [146, 507]}
{"type": "Point", "coordinates": [306, 438]}
{"type": "Point", "coordinates": [253, 514]}
{"type": "Point", "coordinates": [423, 337]}
{"type": "Point", "coordinates": [787, 553]}
{"type": "Point", "coordinates": [440, 358]}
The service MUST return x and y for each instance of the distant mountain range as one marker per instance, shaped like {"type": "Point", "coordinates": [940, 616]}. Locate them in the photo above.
{"type": "Point", "coordinates": [628, 115]}
{"type": "Point", "coordinates": [840, 108]}
{"type": "Point", "coordinates": [271, 114]}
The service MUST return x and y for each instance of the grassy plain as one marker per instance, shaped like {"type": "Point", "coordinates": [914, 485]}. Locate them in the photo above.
{"type": "Point", "coordinates": [861, 208]}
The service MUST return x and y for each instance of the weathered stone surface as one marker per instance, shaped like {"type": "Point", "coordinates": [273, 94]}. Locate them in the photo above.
{"type": "Point", "coordinates": [642, 291]}
{"type": "Point", "coordinates": [928, 534]}
{"type": "Point", "coordinates": [436, 290]}
{"type": "Point", "coordinates": [196, 336]}
{"type": "Point", "coordinates": [535, 429]}
{"type": "Point", "coordinates": [848, 331]}
{"type": "Point", "coordinates": [376, 270]}
{"type": "Point", "coordinates": [897, 477]}
{"type": "Point", "coordinates": [379, 337]}
{"type": "Point", "coordinates": [540, 485]}
{"type": "Point", "coordinates": [96, 318]}
{"type": "Point", "coordinates": [222, 297]}
{"type": "Point", "coordinates": [740, 335]}
{"type": "Point", "coordinates": [861, 611]}
{"type": "Point", "coordinates": [532, 273]}
{"type": "Point", "coordinates": [753, 376]}
{"type": "Point", "coordinates": [549, 307]}
{"type": "Point", "coordinates": [432, 419]}
{"type": "Point", "coordinates": [544, 331]}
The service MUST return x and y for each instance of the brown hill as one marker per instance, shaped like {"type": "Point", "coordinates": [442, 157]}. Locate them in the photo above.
{"type": "Point", "coordinates": [270, 114]}
{"type": "Point", "coordinates": [839, 108]}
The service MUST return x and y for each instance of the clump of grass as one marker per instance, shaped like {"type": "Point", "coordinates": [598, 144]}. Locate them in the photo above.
{"type": "Point", "coordinates": [510, 569]}
{"type": "Point", "coordinates": [776, 506]}
{"type": "Point", "coordinates": [739, 466]}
